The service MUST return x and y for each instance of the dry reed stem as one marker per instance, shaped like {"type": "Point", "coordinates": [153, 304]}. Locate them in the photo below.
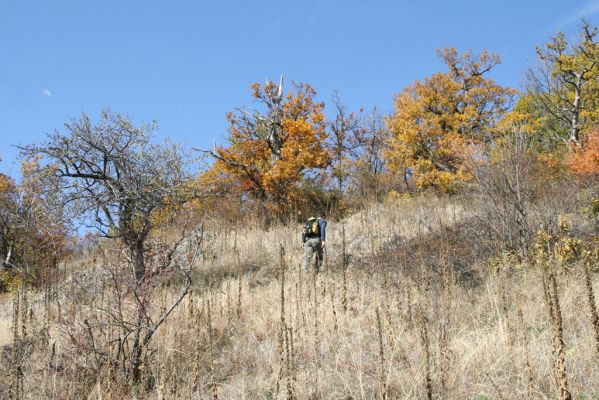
{"type": "Point", "coordinates": [213, 384]}
{"type": "Point", "coordinates": [344, 268]}
{"type": "Point", "coordinates": [409, 304]}
{"type": "Point", "coordinates": [289, 364]}
{"type": "Point", "coordinates": [14, 391]}
{"type": "Point", "coordinates": [335, 324]}
{"type": "Point", "coordinates": [558, 334]}
{"type": "Point", "coordinates": [229, 304]}
{"type": "Point", "coordinates": [497, 389]}
{"type": "Point", "coordinates": [24, 311]}
{"type": "Point", "coordinates": [427, 358]}
{"type": "Point", "coordinates": [445, 355]}
{"type": "Point", "coordinates": [505, 310]}
{"type": "Point", "coordinates": [529, 383]}
{"type": "Point", "coordinates": [239, 297]}
{"type": "Point", "coordinates": [316, 336]}
{"type": "Point", "coordinates": [383, 371]}
{"type": "Point", "coordinates": [592, 305]}
{"type": "Point", "coordinates": [190, 307]}
{"type": "Point", "coordinates": [162, 379]}
{"type": "Point", "coordinates": [282, 323]}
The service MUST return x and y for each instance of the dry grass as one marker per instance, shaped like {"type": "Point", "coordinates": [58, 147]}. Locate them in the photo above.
{"type": "Point", "coordinates": [248, 330]}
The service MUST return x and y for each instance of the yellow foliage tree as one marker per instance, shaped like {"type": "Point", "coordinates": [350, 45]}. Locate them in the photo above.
{"type": "Point", "coordinates": [564, 89]}
{"type": "Point", "coordinates": [437, 121]}
{"type": "Point", "coordinates": [269, 151]}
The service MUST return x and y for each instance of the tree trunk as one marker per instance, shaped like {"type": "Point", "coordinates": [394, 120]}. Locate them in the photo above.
{"type": "Point", "coordinates": [574, 127]}
{"type": "Point", "coordinates": [139, 269]}
{"type": "Point", "coordinates": [136, 354]}
{"type": "Point", "coordinates": [136, 251]}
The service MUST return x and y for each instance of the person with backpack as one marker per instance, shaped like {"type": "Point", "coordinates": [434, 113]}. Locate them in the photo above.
{"type": "Point", "coordinates": [313, 240]}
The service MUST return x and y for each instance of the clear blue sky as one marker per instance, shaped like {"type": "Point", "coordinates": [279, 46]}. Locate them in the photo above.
{"type": "Point", "coordinates": [187, 63]}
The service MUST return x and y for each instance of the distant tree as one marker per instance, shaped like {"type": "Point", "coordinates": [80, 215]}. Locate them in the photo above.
{"type": "Point", "coordinates": [371, 175]}
{"type": "Point", "coordinates": [270, 151]}
{"type": "Point", "coordinates": [113, 179]}
{"type": "Point", "coordinates": [436, 121]}
{"type": "Point", "coordinates": [357, 142]}
{"type": "Point", "coordinates": [530, 119]}
{"type": "Point", "coordinates": [8, 206]}
{"type": "Point", "coordinates": [33, 231]}
{"type": "Point", "coordinates": [564, 88]}
{"type": "Point", "coordinates": [347, 133]}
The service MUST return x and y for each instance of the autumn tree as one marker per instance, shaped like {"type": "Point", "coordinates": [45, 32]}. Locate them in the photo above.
{"type": "Point", "coordinates": [437, 121]}
{"type": "Point", "coordinates": [114, 180]}
{"type": "Point", "coordinates": [584, 161]}
{"type": "Point", "coordinates": [8, 205]}
{"type": "Point", "coordinates": [33, 229]}
{"type": "Point", "coordinates": [271, 150]}
{"type": "Point", "coordinates": [563, 91]}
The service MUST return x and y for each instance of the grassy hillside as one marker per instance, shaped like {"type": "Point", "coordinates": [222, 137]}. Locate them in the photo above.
{"type": "Point", "coordinates": [420, 308]}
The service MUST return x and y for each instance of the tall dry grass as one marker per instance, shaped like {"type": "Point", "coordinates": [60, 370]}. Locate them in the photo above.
{"type": "Point", "coordinates": [257, 326]}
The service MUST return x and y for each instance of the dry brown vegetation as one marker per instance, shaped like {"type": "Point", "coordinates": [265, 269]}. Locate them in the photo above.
{"type": "Point", "coordinates": [463, 248]}
{"type": "Point", "coordinates": [413, 308]}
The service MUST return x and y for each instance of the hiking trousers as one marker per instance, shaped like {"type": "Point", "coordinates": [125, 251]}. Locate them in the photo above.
{"type": "Point", "coordinates": [311, 246]}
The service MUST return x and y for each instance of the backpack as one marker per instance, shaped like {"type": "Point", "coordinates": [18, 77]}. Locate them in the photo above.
{"type": "Point", "coordinates": [312, 228]}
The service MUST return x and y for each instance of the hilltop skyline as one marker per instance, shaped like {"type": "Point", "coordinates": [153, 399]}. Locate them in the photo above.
{"type": "Point", "coordinates": [188, 65]}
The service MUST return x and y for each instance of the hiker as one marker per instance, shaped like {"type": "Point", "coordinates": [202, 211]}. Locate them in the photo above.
{"type": "Point", "coordinates": [313, 240]}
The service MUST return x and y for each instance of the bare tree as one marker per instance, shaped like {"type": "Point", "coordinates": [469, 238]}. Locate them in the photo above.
{"type": "Point", "coordinates": [267, 126]}
{"type": "Point", "coordinates": [347, 136]}
{"type": "Point", "coordinates": [114, 180]}
{"type": "Point", "coordinates": [371, 160]}
{"type": "Point", "coordinates": [358, 141]}
{"type": "Point", "coordinates": [505, 179]}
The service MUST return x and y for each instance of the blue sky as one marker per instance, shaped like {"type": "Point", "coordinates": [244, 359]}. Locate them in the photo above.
{"type": "Point", "coordinates": [187, 63]}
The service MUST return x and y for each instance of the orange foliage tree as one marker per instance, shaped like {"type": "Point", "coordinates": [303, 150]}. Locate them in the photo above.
{"type": "Point", "coordinates": [437, 121]}
{"type": "Point", "coordinates": [271, 151]}
{"type": "Point", "coordinates": [584, 160]}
